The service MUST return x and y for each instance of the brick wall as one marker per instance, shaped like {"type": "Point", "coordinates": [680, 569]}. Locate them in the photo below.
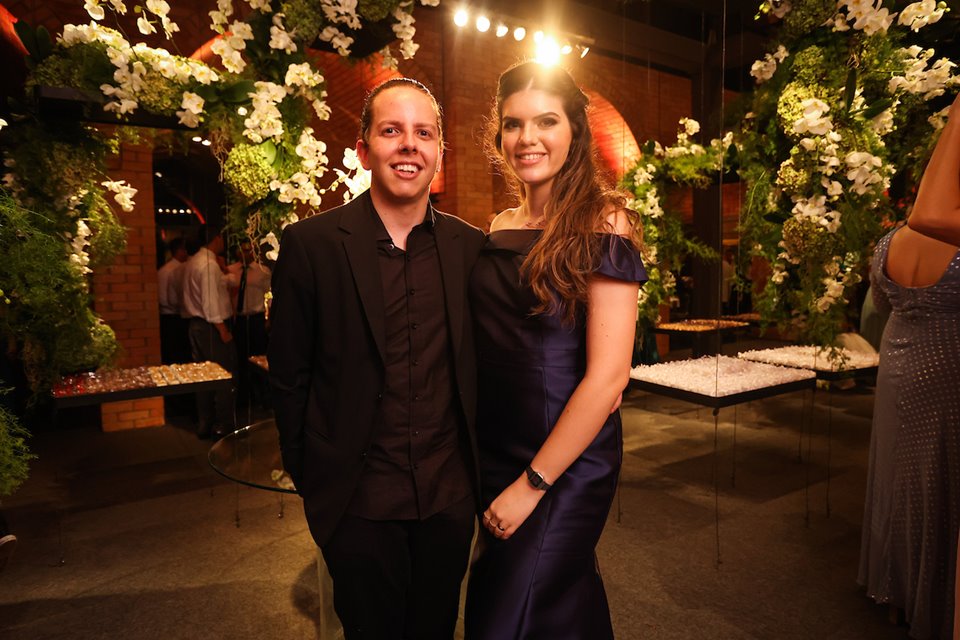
{"type": "Point", "coordinates": [125, 293]}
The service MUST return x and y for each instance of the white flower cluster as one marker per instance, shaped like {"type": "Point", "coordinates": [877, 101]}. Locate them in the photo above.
{"type": "Point", "coordinates": [815, 119]}
{"type": "Point", "coordinates": [644, 174]}
{"type": "Point", "coordinates": [79, 242]}
{"type": "Point", "coordinates": [650, 205]}
{"type": "Point", "coordinates": [131, 64]}
{"type": "Point", "coordinates": [404, 30]}
{"type": "Point", "coordinates": [341, 12]}
{"type": "Point", "coordinates": [356, 178]}
{"type": "Point", "coordinates": [826, 148]}
{"type": "Point", "coordinates": [191, 109]}
{"type": "Point", "coordinates": [159, 8]}
{"type": "Point", "coordinates": [868, 16]}
{"type": "Point", "coordinates": [838, 280]}
{"type": "Point", "coordinates": [301, 186]}
{"type": "Point", "coordinates": [339, 40]}
{"type": "Point", "coordinates": [231, 43]}
{"type": "Point", "coordinates": [266, 120]}
{"type": "Point", "coordinates": [866, 171]}
{"type": "Point", "coordinates": [815, 209]}
{"type": "Point", "coordinates": [279, 38]}
{"type": "Point", "coordinates": [124, 193]}
{"type": "Point", "coordinates": [919, 79]}
{"type": "Point", "coordinates": [764, 69]}
{"type": "Point", "coordinates": [274, 251]}
{"type": "Point", "coordinates": [920, 14]}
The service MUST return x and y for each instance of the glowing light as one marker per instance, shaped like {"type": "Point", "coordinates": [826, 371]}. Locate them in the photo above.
{"type": "Point", "coordinates": [483, 23]}
{"type": "Point", "coordinates": [197, 139]}
{"type": "Point", "coordinates": [584, 51]}
{"type": "Point", "coordinates": [461, 17]}
{"type": "Point", "coordinates": [519, 34]}
{"type": "Point", "coordinates": [502, 30]}
{"type": "Point", "coordinates": [538, 36]}
{"type": "Point", "coordinates": [206, 143]}
{"type": "Point", "coordinates": [548, 51]}
{"type": "Point", "coordinates": [566, 49]}
{"type": "Point", "coordinates": [241, 111]}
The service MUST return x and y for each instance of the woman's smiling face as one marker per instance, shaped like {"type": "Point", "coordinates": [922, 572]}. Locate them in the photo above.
{"type": "Point", "coordinates": [535, 136]}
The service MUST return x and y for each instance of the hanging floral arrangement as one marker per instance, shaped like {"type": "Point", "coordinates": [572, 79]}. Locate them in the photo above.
{"type": "Point", "coordinates": [846, 105]}
{"type": "Point", "coordinates": [659, 169]}
{"type": "Point", "coordinates": [257, 110]}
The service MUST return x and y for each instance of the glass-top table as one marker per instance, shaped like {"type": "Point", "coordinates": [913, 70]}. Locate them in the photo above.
{"type": "Point", "coordinates": [251, 456]}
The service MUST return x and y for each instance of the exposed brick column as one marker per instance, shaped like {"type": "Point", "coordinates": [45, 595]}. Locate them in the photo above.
{"type": "Point", "coordinates": [125, 293]}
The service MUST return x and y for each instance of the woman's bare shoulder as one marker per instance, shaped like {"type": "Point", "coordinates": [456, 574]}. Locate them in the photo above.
{"type": "Point", "coordinates": [619, 221]}
{"type": "Point", "coordinates": [504, 219]}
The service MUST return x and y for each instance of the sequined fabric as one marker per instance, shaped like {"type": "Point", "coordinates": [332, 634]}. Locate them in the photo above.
{"type": "Point", "coordinates": [912, 510]}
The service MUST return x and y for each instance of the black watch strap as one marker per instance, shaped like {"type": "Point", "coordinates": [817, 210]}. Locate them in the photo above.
{"type": "Point", "coordinates": [536, 480]}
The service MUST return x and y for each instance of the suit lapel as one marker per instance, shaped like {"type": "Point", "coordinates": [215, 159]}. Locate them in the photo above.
{"type": "Point", "coordinates": [360, 245]}
{"type": "Point", "coordinates": [450, 250]}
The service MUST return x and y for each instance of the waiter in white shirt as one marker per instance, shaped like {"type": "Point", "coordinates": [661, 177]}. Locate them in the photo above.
{"type": "Point", "coordinates": [206, 302]}
{"type": "Point", "coordinates": [174, 343]}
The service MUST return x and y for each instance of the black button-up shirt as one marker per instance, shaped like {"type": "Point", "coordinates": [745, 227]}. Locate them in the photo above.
{"type": "Point", "coordinates": [415, 466]}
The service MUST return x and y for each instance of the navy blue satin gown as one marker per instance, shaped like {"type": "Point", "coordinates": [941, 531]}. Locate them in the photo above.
{"type": "Point", "coordinates": [543, 582]}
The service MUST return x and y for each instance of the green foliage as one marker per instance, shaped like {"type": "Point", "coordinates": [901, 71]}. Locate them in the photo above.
{"type": "Point", "coordinates": [14, 454]}
{"type": "Point", "coordinates": [685, 164]}
{"type": "Point", "coordinates": [46, 304]}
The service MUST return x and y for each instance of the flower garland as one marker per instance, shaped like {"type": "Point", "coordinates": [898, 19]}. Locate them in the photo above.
{"type": "Point", "coordinates": [822, 143]}
{"type": "Point", "coordinates": [257, 111]}
{"type": "Point", "coordinates": [685, 163]}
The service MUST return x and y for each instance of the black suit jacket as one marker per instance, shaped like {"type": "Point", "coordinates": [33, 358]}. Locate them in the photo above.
{"type": "Point", "coordinates": [327, 336]}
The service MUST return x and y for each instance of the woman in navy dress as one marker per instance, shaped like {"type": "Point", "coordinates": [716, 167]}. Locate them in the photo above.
{"type": "Point", "coordinates": [554, 295]}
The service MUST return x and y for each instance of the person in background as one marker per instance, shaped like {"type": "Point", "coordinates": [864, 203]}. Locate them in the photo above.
{"type": "Point", "coordinates": [249, 282]}
{"type": "Point", "coordinates": [911, 522]}
{"type": "Point", "coordinates": [174, 343]}
{"type": "Point", "coordinates": [728, 272]}
{"type": "Point", "coordinates": [554, 294]}
{"type": "Point", "coordinates": [373, 375]}
{"type": "Point", "coordinates": [206, 302]}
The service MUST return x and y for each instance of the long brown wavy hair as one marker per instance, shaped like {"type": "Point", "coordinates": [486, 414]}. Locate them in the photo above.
{"type": "Point", "coordinates": [559, 265]}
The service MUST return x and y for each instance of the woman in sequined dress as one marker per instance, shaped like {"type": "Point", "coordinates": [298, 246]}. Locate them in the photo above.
{"type": "Point", "coordinates": [554, 294]}
{"type": "Point", "coordinates": [908, 555]}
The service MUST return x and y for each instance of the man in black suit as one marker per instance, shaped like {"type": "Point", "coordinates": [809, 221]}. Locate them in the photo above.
{"type": "Point", "coordinates": [373, 372]}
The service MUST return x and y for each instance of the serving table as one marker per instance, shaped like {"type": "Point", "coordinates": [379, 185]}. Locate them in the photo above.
{"type": "Point", "coordinates": [722, 381]}
{"type": "Point", "coordinates": [114, 385]}
{"type": "Point", "coordinates": [699, 329]}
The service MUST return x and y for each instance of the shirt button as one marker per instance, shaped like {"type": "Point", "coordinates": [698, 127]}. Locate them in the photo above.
{"type": "Point", "coordinates": [412, 291]}
{"type": "Point", "coordinates": [416, 433]}
{"type": "Point", "coordinates": [415, 466]}
{"type": "Point", "coordinates": [416, 362]}
{"type": "Point", "coordinates": [414, 326]}
{"type": "Point", "coordinates": [416, 396]}
{"type": "Point", "coordinates": [392, 246]}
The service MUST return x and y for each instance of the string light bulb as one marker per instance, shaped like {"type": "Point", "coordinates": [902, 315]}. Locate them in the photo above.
{"type": "Point", "coordinates": [502, 30]}
{"type": "Point", "coordinates": [461, 17]}
{"type": "Point", "coordinates": [483, 24]}
{"type": "Point", "coordinates": [519, 34]}
{"type": "Point", "coordinates": [548, 51]}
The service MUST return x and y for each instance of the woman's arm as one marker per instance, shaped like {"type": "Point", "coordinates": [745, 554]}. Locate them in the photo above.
{"type": "Point", "coordinates": [936, 212]}
{"type": "Point", "coordinates": [611, 322]}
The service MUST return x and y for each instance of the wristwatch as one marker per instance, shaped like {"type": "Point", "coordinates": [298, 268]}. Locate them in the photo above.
{"type": "Point", "coordinates": [536, 480]}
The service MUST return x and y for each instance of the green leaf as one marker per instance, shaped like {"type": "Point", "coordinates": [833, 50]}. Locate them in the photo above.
{"type": "Point", "coordinates": [44, 43]}
{"type": "Point", "coordinates": [876, 108]}
{"type": "Point", "coordinates": [850, 90]}
{"type": "Point", "coordinates": [28, 37]}
{"type": "Point", "coordinates": [269, 151]}
{"type": "Point", "coordinates": [776, 217]}
{"type": "Point", "coordinates": [239, 92]}
{"type": "Point", "coordinates": [649, 148]}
